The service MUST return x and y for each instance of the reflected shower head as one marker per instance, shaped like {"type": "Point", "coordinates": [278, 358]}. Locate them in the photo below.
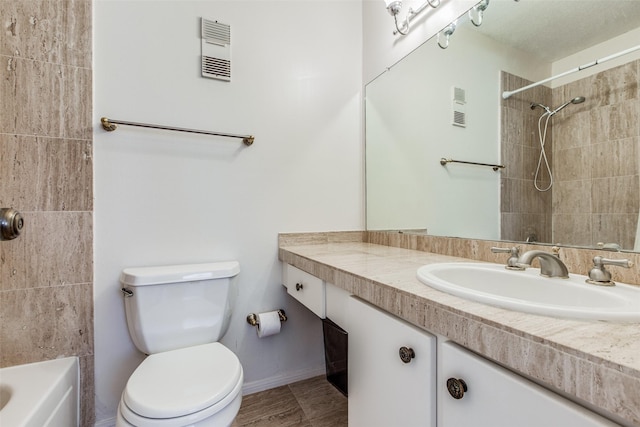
{"type": "Point", "coordinates": [576, 100]}
{"type": "Point", "coordinates": [533, 106]}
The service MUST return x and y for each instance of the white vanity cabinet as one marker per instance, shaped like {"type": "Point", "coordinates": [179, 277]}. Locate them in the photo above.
{"type": "Point", "coordinates": [384, 391]}
{"type": "Point", "coordinates": [497, 397]}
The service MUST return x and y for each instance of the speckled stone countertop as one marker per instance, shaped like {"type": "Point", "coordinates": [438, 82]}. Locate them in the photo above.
{"type": "Point", "coordinates": [595, 362]}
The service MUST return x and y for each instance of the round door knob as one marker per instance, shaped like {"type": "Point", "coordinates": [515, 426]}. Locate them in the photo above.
{"type": "Point", "coordinates": [11, 223]}
{"type": "Point", "coordinates": [406, 354]}
{"type": "Point", "coordinates": [299, 286]}
{"type": "Point", "coordinates": [456, 387]}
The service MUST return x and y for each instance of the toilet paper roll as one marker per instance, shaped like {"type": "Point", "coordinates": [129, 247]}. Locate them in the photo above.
{"type": "Point", "coordinates": [268, 324]}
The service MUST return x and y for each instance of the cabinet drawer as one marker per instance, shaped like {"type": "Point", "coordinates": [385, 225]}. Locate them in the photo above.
{"type": "Point", "coordinates": [307, 289]}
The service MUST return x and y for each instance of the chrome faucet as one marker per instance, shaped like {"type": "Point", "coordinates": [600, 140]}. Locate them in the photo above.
{"type": "Point", "coordinates": [550, 264]}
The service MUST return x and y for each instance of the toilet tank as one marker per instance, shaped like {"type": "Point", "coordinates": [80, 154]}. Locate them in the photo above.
{"type": "Point", "coordinates": [177, 306]}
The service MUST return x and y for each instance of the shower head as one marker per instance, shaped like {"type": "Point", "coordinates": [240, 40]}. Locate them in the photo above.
{"type": "Point", "coordinates": [533, 106]}
{"type": "Point", "coordinates": [576, 100]}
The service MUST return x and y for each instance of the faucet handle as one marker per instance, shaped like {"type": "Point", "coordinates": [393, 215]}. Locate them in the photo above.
{"type": "Point", "coordinates": [514, 250]}
{"type": "Point", "coordinates": [617, 262]}
{"type": "Point", "coordinates": [599, 275]}
{"type": "Point", "coordinates": [513, 259]}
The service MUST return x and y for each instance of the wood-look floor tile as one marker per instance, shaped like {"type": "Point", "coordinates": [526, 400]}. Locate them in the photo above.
{"type": "Point", "coordinates": [309, 403]}
{"type": "Point", "coordinates": [273, 407]}
{"type": "Point", "coordinates": [317, 397]}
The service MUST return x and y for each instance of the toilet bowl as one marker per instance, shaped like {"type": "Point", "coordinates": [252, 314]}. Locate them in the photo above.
{"type": "Point", "coordinates": [195, 386]}
{"type": "Point", "coordinates": [176, 314]}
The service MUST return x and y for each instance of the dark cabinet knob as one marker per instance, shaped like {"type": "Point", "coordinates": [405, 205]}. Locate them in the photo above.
{"type": "Point", "coordinates": [406, 354]}
{"type": "Point", "coordinates": [299, 286]}
{"type": "Point", "coordinates": [456, 387]}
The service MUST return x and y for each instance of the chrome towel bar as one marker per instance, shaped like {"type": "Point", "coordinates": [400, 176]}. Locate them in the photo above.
{"type": "Point", "coordinates": [444, 161]}
{"type": "Point", "coordinates": [110, 125]}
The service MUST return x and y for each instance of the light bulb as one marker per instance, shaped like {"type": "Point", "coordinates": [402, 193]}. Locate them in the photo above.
{"type": "Point", "coordinates": [393, 6]}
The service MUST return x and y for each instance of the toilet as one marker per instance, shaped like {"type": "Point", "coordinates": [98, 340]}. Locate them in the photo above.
{"type": "Point", "coordinates": [176, 315]}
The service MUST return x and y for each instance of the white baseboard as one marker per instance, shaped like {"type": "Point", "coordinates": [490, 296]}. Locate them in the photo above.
{"type": "Point", "coordinates": [277, 381]}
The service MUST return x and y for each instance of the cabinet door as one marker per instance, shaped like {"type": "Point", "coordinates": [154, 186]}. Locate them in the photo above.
{"type": "Point", "coordinates": [497, 397]}
{"type": "Point", "coordinates": [384, 391]}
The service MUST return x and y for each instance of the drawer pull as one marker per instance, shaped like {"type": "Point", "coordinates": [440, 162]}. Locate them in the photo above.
{"type": "Point", "coordinates": [406, 354]}
{"type": "Point", "coordinates": [456, 387]}
{"type": "Point", "coordinates": [299, 286]}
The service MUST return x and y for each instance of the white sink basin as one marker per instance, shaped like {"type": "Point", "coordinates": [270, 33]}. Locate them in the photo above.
{"type": "Point", "coordinates": [529, 292]}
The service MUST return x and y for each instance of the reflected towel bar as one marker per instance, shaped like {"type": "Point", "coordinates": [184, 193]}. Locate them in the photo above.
{"type": "Point", "coordinates": [110, 125]}
{"type": "Point", "coordinates": [444, 161]}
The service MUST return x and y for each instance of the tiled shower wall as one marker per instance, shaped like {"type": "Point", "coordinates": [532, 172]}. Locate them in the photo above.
{"type": "Point", "coordinates": [594, 146]}
{"type": "Point", "coordinates": [525, 213]}
{"type": "Point", "coordinates": [596, 192]}
{"type": "Point", "coordinates": [46, 289]}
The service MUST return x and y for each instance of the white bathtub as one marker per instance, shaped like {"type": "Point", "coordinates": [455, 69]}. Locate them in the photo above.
{"type": "Point", "coordinates": [40, 394]}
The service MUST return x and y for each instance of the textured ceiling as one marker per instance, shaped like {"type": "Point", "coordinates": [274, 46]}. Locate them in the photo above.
{"type": "Point", "coordinates": [554, 29]}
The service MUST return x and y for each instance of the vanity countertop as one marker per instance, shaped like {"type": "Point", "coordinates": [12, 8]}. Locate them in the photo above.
{"type": "Point", "coordinates": [597, 362]}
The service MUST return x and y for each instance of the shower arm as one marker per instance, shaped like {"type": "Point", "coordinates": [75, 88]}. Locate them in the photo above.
{"type": "Point", "coordinates": [508, 94]}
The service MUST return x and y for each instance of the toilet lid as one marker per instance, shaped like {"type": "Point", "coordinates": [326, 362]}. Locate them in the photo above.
{"type": "Point", "coordinates": [179, 382]}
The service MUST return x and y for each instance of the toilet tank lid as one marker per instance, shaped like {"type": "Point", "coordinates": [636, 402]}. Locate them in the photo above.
{"type": "Point", "coordinates": [141, 276]}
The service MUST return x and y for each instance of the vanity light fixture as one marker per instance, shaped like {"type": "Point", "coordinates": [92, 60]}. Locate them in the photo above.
{"type": "Point", "coordinates": [394, 7]}
{"type": "Point", "coordinates": [445, 35]}
{"type": "Point", "coordinates": [476, 12]}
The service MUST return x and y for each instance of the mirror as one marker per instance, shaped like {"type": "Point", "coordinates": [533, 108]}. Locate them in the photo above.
{"type": "Point", "coordinates": [446, 103]}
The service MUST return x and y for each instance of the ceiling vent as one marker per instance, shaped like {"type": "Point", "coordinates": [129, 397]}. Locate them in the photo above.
{"type": "Point", "coordinates": [216, 50]}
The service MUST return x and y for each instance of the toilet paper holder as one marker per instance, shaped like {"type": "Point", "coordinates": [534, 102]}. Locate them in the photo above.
{"type": "Point", "coordinates": [252, 318]}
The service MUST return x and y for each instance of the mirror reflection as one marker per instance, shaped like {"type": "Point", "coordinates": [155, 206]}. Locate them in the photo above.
{"type": "Point", "coordinates": [569, 146]}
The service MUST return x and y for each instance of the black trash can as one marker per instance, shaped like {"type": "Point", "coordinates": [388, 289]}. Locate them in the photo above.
{"type": "Point", "coordinates": [335, 355]}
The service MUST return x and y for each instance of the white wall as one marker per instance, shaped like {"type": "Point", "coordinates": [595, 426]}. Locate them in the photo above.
{"type": "Point", "coordinates": [164, 197]}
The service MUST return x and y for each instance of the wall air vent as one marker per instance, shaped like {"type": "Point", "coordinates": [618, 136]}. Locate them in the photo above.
{"type": "Point", "coordinates": [459, 107]}
{"type": "Point", "coordinates": [216, 50]}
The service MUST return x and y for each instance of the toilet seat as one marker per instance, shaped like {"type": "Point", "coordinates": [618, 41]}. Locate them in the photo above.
{"type": "Point", "coordinates": [192, 382]}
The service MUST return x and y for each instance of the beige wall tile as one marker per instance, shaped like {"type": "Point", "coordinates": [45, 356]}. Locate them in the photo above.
{"type": "Point", "coordinates": [615, 158]}
{"type": "Point", "coordinates": [574, 229]}
{"type": "Point", "coordinates": [615, 195]}
{"type": "Point", "coordinates": [13, 268]}
{"type": "Point", "coordinates": [572, 197]}
{"type": "Point", "coordinates": [572, 164]}
{"type": "Point", "coordinates": [616, 85]}
{"type": "Point", "coordinates": [46, 323]}
{"type": "Point", "coordinates": [624, 119]}
{"type": "Point", "coordinates": [65, 172]}
{"type": "Point", "coordinates": [39, 174]}
{"type": "Point", "coordinates": [18, 166]}
{"type": "Point", "coordinates": [59, 248]}
{"type": "Point", "coordinates": [47, 30]}
{"type": "Point", "coordinates": [614, 228]}
{"type": "Point", "coordinates": [47, 99]}
{"type": "Point", "coordinates": [571, 130]}
{"type": "Point", "coordinates": [87, 390]}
